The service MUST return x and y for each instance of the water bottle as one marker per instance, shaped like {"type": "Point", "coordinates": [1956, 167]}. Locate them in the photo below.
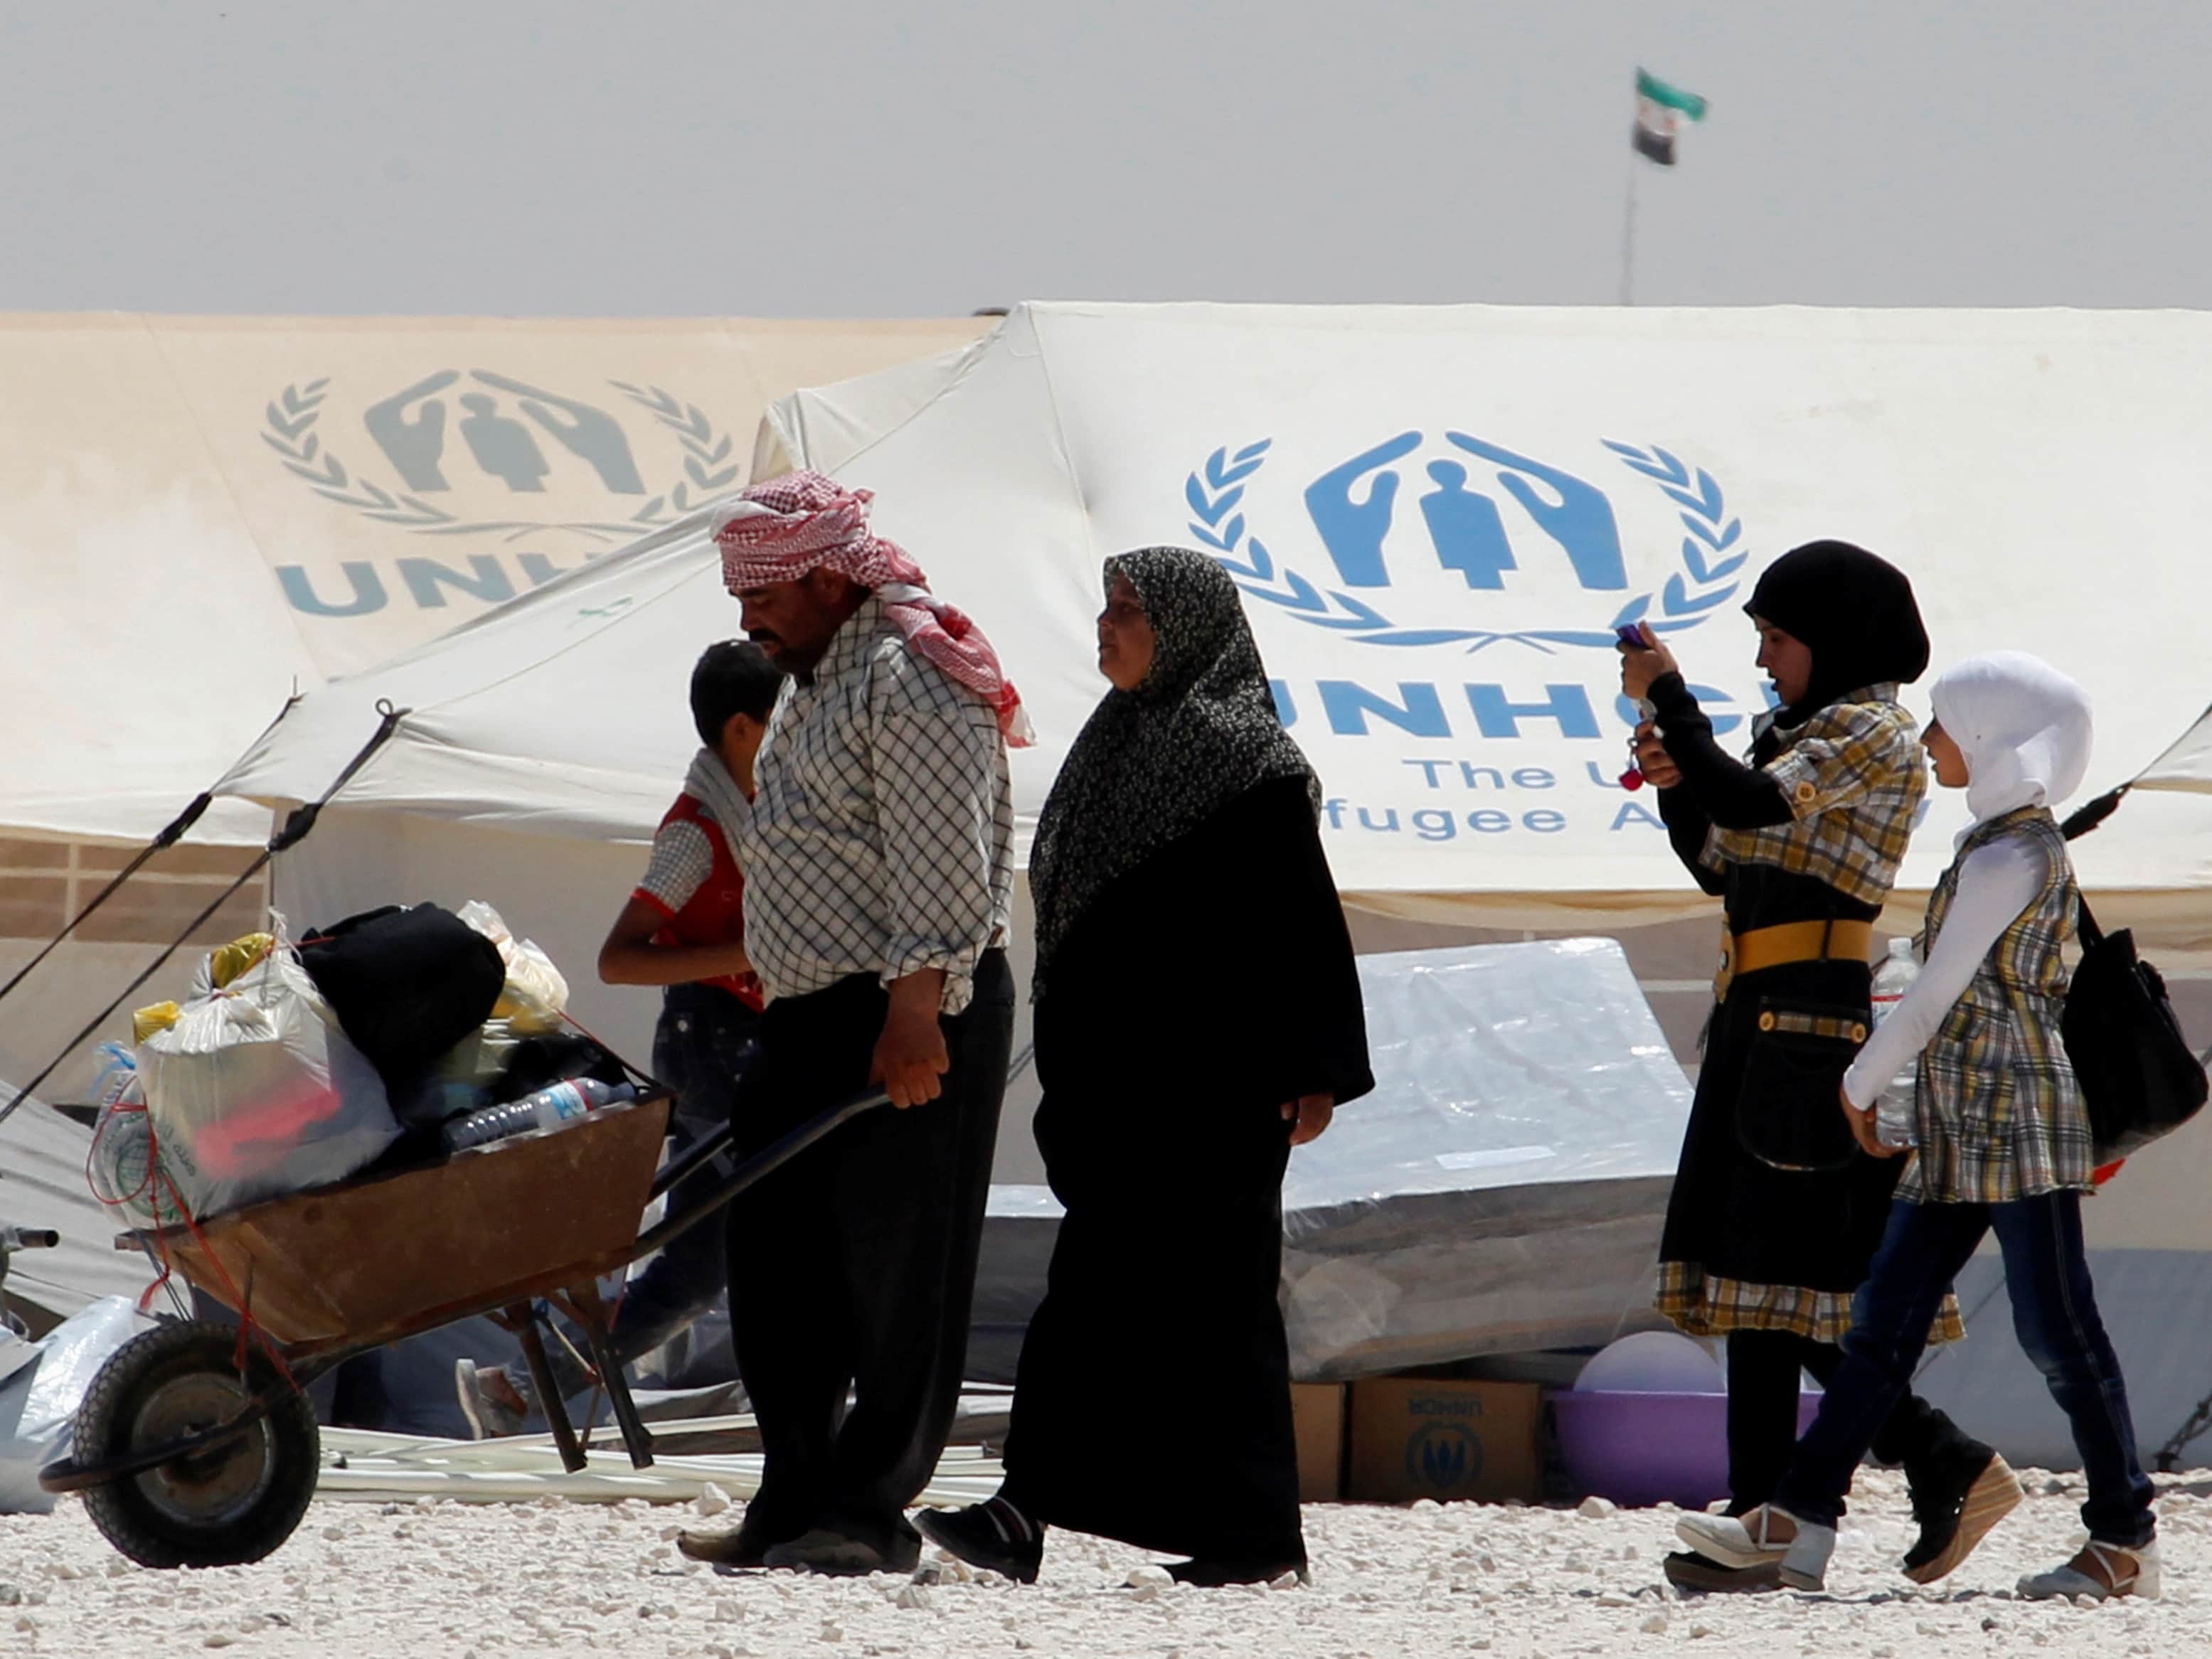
{"type": "Point", "coordinates": [1896, 1113]}
{"type": "Point", "coordinates": [549, 1108]}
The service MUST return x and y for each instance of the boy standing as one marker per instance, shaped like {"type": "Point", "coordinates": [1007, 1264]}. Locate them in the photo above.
{"type": "Point", "coordinates": [683, 928]}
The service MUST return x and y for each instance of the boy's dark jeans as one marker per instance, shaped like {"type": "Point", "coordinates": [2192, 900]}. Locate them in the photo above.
{"type": "Point", "coordinates": [703, 1045]}
{"type": "Point", "coordinates": [2054, 1311]}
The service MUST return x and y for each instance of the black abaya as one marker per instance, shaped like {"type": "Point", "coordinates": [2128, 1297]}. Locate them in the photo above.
{"type": "Point", "coordinates": [1197, 993]}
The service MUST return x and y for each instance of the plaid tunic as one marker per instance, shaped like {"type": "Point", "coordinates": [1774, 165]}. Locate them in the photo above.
{"type": "Point", "coordinates": [1854, 780]}
{"type": "Point", "coordinates": [2001, 1115]}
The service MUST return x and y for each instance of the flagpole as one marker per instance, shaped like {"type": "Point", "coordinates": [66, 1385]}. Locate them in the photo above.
{"type": "Point", "coordinates": [1628, 237]}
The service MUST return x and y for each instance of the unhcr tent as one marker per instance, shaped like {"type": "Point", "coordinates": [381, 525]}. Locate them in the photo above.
{"type": "Point", "coordinates": [200, 515]}
{"type": "Point", "coordinates": [1437, 516]}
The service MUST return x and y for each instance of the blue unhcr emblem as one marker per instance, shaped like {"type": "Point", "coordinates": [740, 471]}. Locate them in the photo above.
{"type": "Point", "coordinates": [1467, 534]}
{"type": "Point", "coordinates": [1444, 1457]}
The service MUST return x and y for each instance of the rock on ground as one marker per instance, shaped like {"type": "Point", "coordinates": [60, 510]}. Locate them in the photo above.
{"type": "Point", "coordinates": [544, 1582]}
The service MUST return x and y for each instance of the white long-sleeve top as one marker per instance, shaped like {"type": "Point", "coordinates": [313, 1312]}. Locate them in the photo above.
{"type": "Point", "coordinates": [1995, 884]}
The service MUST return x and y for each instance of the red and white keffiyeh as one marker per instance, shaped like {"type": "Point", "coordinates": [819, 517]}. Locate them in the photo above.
{"type": "Point", "coordinates": [781, 529]}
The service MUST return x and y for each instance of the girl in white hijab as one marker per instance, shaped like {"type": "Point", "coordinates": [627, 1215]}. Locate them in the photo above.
{"type": "Point", "coordinates": [2003, 1146]}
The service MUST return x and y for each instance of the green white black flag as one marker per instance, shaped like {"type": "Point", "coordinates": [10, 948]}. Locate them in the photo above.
{"type": "Point", "coordinates": [1660, 112]}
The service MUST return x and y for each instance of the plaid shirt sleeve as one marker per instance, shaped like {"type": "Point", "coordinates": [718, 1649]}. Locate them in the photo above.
{"type": "Point", "coordinates": [1845, 753]}
{"type": "Point", "coordinates": [940, 770]}
{"type": "Point", "coordinates": [682, 860]}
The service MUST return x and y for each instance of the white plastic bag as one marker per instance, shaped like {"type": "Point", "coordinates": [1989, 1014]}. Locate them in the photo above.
{"type": "Point", "coordinates": [255, 1091]}
{"type": "Point", "coordinates": [536, 994]}
{"type": "Point", "coordinates": [38, 1403]}
{"type": "Point", "coordinates": [121, 1166]}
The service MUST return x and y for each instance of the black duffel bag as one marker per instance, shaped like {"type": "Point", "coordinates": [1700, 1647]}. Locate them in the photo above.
{"type": "Point", "coordinates": [2139, 1078]}
{"type": "Point", "coordinates": [407, 985]}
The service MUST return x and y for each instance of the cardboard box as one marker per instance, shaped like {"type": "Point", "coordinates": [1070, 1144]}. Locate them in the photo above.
{"type": "Point", "coordinates": [1426, 1438]}
{"type": "Point", "coordinates": [1318, 1413]}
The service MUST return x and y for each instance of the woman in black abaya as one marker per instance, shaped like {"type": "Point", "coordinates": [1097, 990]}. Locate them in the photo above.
{"type": "Point", "coordinates": [1198, 1014]}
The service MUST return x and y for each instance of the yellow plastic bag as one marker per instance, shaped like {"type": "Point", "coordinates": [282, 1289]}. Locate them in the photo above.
{"type": "Point", "coordinates": [155, 1017]}
{"type": "Point", "coordinates": [234, 958]}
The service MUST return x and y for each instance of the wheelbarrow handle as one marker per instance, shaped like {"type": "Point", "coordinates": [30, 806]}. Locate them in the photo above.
{"type": "Point", "coordinates": [772, 1156]}
{"type": "Point", "coordinates": [703, 1151]}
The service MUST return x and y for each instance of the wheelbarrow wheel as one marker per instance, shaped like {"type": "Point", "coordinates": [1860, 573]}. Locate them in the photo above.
{"type": "Point", "coordinates": [232, 1504]}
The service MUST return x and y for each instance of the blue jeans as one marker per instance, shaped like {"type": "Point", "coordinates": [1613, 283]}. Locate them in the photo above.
{"type": "Point", "coordinates": [703, 1045]}
{"type": "Point", "coordinates": [2054, 1311]}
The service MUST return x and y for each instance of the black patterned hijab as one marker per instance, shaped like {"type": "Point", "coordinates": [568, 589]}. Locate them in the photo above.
{"type": "Point", "coordinates": [1152, 764]}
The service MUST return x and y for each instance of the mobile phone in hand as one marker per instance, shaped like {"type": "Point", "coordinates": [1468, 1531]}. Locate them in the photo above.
{"type": "Point", "coordinates": [1631, 638]}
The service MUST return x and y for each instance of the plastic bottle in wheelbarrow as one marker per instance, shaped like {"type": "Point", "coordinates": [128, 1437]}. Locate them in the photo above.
{"type": "Point", "coordinates": [549, 1108]}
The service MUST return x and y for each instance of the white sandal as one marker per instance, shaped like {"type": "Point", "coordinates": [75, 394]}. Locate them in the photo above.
{"type": "Point", "coordinates": [2099, 1572]}
{"type": "Point", "coordinates": [1749, 1541]}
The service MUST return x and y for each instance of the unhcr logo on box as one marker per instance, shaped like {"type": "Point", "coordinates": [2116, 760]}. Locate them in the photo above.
{"type": "Point", "coordinates": [1445, 1457]}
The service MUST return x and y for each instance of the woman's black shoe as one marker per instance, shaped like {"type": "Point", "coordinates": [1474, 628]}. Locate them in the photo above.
{"type": "Point", "coordinates": [1214, 1575]}
{"type": "Point", "coordinates": [1956, 1506]}
{"type": "Point", "coordinates": [993, 1536]}
{"type": "Point", "coordinates": [1685, 1569]}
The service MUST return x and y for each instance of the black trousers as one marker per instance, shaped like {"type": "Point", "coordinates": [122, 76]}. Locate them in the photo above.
{"type": "Point", "coordinates": [1762, 1416]}
{"type": "Point", "coordinates": [853, 1268]}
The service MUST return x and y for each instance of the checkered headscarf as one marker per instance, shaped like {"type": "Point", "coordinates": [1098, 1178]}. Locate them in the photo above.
{"type": "Point", "coordinates": [781, 530]}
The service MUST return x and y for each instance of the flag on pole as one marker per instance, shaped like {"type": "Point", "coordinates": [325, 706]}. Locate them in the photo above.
{"type": "Point", "coordinates": [1660, 112]}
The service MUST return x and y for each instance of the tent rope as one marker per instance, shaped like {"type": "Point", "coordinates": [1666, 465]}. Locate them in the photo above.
{"type": "Point", "coordinates": [174, 832]}
{"type": "Point", "coordinates": [296, 826]}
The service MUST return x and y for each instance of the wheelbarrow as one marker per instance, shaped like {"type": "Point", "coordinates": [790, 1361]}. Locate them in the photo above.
{"type": "Point", "coordinates": [195, 1445]}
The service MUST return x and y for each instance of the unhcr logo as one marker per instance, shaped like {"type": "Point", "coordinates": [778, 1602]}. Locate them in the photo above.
{"type": "Point", "coordinates": [1444, 1457]}
{"type": "Point", "coordinates": [538, 478]}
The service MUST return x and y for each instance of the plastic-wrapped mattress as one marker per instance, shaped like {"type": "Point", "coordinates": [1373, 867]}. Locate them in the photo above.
{"type": "Point", "coordinates": [1501, 1190]}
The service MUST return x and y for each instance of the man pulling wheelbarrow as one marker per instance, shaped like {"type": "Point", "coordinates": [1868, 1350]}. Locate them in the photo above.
{"type": "Point", "coordinates": [878, 854]}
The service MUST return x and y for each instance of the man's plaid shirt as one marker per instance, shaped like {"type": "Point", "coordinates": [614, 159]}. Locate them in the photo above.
{"type": "Point", "coordinates": [1855, 778]}
{"type": "Point", "coordinates": [2001, 1115]}
{"type": "Point", "coordinates": [880, 838]}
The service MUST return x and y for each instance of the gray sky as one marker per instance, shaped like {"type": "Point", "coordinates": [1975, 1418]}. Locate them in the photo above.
{"type": "Point", "coordinates": [827, 159]}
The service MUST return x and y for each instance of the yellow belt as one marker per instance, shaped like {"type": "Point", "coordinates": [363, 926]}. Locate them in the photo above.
{"type": "Point", "coordinates": [1794, 941]}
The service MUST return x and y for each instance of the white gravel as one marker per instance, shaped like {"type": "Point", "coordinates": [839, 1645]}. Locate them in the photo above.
{"type": "Point", "coordinates": [438, 1578]}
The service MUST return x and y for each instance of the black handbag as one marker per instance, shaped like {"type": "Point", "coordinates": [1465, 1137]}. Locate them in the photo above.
{"type": "Point", "coordinates": [2139, 1078]}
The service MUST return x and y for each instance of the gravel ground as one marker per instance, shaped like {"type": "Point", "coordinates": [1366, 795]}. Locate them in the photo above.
{"type": "Point", "coordinates": [436, 1578]}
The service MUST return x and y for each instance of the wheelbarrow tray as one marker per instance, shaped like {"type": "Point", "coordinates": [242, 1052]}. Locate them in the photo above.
{"type": "Point", "coordinates": [361, 1263]}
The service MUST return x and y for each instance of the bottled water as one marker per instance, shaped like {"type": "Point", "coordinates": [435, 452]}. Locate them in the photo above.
{"type": "Point", "coordinates": [549, 1108]}
{"type": "Point", "coordinates": [1896, 1113]}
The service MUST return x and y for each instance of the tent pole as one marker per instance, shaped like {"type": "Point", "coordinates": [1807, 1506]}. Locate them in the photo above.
{"type": "Point", "coordinates": [1628, 239]}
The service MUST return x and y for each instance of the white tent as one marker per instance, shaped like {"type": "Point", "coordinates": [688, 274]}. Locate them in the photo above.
{"type": "Point", "coordinates": [1436, 515]}
{"type": "Point", "coordinates": [198, 515]}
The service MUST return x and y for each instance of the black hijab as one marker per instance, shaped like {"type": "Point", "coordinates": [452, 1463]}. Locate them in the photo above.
{"type": "Point", "coordinates": [1152, 764]}
{"type": "Point", "coordinates": [1854, 611]}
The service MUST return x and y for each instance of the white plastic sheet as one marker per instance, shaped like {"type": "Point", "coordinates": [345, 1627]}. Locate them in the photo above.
{"type": "Point", "coordinates": [38, 1403]}
{"type": "Point", "coordinates": [1503, 1187]}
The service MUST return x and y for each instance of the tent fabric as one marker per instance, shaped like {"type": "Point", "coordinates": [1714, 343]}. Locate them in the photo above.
{"type": "Point", "coordinates": [199, 515]}
{"type": "Point", "coordinates": [1436, 515]}
{"type": "Point", "coordinates": [2186, 767]}
{"type": "Point", "coordinates": [43, 1156]}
